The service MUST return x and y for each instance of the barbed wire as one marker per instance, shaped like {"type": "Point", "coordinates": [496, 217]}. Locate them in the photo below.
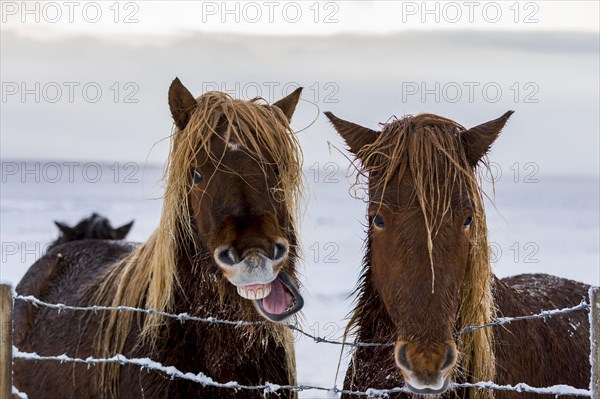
{"type": "Point", "coordinates": [186, 317]}
{"type": "Point", "coordinates": [238, 323]}
{"type": "Point", "coordinates": [542, 315]}
{"type": "Point", "coordinates": [203, 379]}
{"type": "Point", "coordinates": [95, 308]}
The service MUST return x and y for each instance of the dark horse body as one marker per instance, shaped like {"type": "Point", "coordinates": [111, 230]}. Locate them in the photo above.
{"type": "Point", "coordinates": [426, 274]}
{"type": "Point", "coordinates": [225, 249]}
{"type": "Point", "coordinates": [189, 346]}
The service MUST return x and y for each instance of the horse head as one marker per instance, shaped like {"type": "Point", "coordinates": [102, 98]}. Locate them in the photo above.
{"type": "Point", "coordinates": [242, 178]}
{"type": "Point", "coordinates": [427, 248]}
{"type": "Point", "coordinates": [93, 227]}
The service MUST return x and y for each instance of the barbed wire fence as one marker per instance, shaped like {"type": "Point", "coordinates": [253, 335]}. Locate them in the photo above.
{"type": "Point", "coordinates": [8, 352]}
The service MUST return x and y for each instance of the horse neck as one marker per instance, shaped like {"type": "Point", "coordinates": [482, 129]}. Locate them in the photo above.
{"type": "Point", "coordinates": [368, 320]}
{"type": "Point", "coordinates": [196, 287]}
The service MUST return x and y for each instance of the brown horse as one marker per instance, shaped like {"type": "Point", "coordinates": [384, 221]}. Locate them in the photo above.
{"type": "Point", "coordinates": [426, 273]}
{"type": "Point", "coordinates": [225, 247]}
{"type": "Point", "coordinates": [94, 227]}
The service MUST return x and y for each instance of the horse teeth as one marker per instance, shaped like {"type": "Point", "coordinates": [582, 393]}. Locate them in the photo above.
{"type": "Point", "coordinates": [291, 305]}
{"type": "Point", "coordinates": [242, 292]}
{"type": "Point", "coordinates": [254, 294]}
{"type": "Point", "coordinates": [264, 292]}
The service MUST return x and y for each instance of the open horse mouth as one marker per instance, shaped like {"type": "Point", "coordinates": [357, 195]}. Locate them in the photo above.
{"type": "Point", "coordinates": [276, 300]}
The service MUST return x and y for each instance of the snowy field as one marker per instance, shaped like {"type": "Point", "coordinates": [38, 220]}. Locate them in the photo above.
{"type": "Point", "coordinates": [543, 224]}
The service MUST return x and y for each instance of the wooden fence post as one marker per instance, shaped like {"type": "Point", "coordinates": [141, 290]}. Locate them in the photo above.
{"type": "Point", "coordinates": [6, 330]}
{"type": "Point", "coordinates": [595, 341]}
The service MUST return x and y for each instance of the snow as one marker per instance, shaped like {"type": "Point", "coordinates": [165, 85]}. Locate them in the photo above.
{"type": "Point", "coordinates": [556, 217]}
{"type": "Point", "coordinates": [594, 333]}
{"type": "Point", "coordinates": [19, 394]}
{"type": "Point", "coordinates": [555, 390]}
{"type": "Point", "coordinates": [147, 363]}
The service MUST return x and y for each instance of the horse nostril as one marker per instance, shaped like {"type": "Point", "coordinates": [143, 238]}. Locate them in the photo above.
{"type": "Point", "coordinates": [280, 251]}
{"type": "Point", "coordinates": [227, 256]}
{"type": "Point", "coordinates": [450, 357]}
{"type": "Point", "coordinates": [402, 356]}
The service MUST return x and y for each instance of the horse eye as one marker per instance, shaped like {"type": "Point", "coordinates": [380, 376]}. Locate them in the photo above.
{"type": "Point", "coordinates": [468, 222]}
{"type": "Point", "coordinates": [276, 171]}
{"type": "Point", "coordinates": [378, 221]}
{"type": "Point", "coordinates": [197, 176]}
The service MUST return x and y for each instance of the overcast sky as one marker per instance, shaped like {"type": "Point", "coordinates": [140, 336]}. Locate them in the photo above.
{"type": "Point", "coordinates": [97, 90]}
{"type": "Point", "coordinates": [47, 19]}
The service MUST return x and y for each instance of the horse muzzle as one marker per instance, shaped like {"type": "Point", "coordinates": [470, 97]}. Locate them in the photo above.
{"type": "Point", "coordinates": [426, 373]}
{"type": "Point", "coordinates": [258, 277]}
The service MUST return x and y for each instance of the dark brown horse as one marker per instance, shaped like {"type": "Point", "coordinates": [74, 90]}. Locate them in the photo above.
{"type": "Point", "coordinates": [426, 273]}
{"type": "Point", "coordinates": [94, 227]}
{"type": "Point", "coordinates": [225, 247]}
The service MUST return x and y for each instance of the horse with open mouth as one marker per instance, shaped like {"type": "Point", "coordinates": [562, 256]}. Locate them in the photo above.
{"type": "Point", "coordinates": [225, 248]}
{"type": "Point", "coordinates": [427, 276]}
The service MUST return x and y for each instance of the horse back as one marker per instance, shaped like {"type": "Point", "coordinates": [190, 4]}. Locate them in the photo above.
{"type": "Point", "coordinates": [544, 351]}
{"type": "Point", "coordinates": [67, 274]}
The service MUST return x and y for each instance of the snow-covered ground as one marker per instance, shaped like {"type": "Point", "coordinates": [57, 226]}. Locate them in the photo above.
{"type": "Point", "coordinates": [550, 225]}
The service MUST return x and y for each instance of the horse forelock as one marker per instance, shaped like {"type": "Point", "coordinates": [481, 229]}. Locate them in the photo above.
{"type": "Point", "coordinates": [148, 276]}
{"type": "Point", "coordinates": [427, 149]}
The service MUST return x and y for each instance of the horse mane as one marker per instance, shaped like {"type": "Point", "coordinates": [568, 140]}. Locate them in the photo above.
{"type": "Point", "coordinates": [429, 148]}
{"type": "Point", "coordinates": [148, 277]}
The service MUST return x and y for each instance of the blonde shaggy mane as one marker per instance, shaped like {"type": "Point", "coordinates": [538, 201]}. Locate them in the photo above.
{"type": "Point", "coordinates": [429, 148]}
{"type": "Point", "coordinates": [148, 277]}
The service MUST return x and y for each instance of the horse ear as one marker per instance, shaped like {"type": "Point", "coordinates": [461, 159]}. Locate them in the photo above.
{"type": "Point", "coordinates": [121, 232]}
{"type": "Point", "coordinates": [66, 230]}
{"type": "Point", "coordinates": [354, 135]}
{"type": "Point", "coordinates": [288, 103]}
{"type": "Point", "coordinates": [478, 140]}
{"type": "Point", "coordinates": [182, 103]}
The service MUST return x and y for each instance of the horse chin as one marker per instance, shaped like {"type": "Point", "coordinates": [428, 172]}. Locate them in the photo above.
{"type": "Point", "coordinates": [428, 391]}
{"type": "Point", "coordinates": [283, 301]}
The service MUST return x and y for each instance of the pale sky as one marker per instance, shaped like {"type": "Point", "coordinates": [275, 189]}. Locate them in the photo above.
{"type": "Point", "coordinates": [541, 58]}
{"type": "Point", "coordinates": [54, 19]}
